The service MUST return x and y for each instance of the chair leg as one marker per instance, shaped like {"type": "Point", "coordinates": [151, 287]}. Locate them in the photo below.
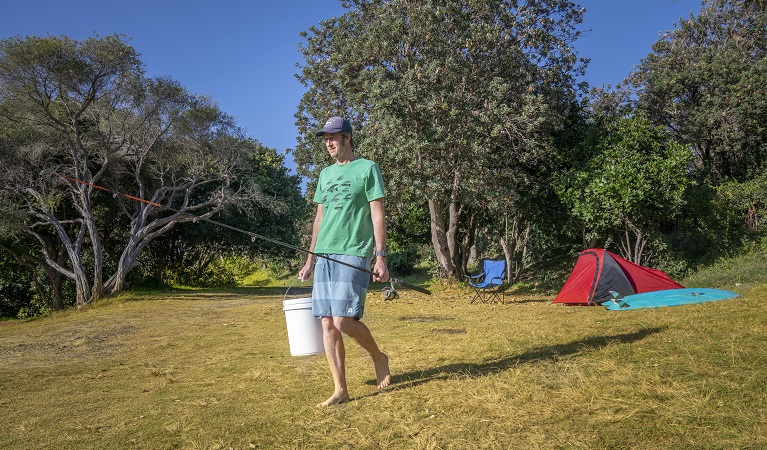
{"type": "Point", "coordinates": [486, 295]}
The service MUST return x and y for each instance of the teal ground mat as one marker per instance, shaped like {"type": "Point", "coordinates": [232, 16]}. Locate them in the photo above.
{"type": "Point", "coordinates": [669, 297]}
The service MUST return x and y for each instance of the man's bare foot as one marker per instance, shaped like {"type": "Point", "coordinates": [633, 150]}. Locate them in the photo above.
{"type": "Point", "coordinates": [334, 399]}
{"type": "Point", "coordinates": [383, 376]}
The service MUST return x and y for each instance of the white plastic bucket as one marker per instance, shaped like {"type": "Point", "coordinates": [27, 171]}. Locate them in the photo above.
{"type": "Point", "coordinates": [304, 330]}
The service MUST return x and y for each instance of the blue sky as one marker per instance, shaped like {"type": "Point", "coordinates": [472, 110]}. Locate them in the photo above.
{"type": "Point", "coordinates": [243, 54]}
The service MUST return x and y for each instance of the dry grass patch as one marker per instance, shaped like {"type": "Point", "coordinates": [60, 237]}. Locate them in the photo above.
{"type": "Point", "coordinates": [213, 370]}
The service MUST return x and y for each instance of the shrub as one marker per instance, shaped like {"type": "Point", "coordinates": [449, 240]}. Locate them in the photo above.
{"type": "Point", "coordinates": [214, 274]}
{"type": "Point", "coordinates": [16, 292]}
{"type": "Point", "coordinates": [402, 258]}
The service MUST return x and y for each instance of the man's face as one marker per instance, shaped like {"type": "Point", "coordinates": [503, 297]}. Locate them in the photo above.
{"type": "Point", "coordinates": [337, 145]}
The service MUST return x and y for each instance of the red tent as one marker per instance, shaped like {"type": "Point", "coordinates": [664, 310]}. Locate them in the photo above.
{"type": "Point", "coordinates": [598, 271]}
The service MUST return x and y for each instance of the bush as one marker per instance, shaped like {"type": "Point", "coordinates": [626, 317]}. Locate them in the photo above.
{"type": "Point", "coordinates": [16, 291]}
{"type": "Point", "coordinates": [402, 258]}
{"type": "Point", "coordinates": [214, 274]}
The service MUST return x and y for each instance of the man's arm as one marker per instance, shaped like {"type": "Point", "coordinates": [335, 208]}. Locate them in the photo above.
{"type": "Point", "coordinates": [377, 213]}
{"type": "Point", "coordinates": [306, 272]}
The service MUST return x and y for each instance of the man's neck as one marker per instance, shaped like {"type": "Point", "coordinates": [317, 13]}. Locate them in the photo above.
{"type": "Point", "coordinates": [347, 158]}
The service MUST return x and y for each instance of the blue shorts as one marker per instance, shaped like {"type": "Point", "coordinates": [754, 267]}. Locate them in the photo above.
{"type": "Point", "coordinates": [340, 290]}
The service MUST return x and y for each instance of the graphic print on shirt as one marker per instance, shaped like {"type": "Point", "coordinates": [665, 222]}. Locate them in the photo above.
{"type": "Point", "coordinates": [338, 193]}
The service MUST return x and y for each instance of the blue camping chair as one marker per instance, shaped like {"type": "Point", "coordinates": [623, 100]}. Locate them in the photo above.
{"type": "Point", "coordinates": [488, 283]}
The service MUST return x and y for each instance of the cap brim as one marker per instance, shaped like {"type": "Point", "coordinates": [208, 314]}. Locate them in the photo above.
{"type": "Point", "coordinates": [325, 131]}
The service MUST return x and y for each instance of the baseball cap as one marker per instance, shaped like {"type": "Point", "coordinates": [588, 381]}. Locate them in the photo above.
{"type": "Point", "coordinates": [335, 125]}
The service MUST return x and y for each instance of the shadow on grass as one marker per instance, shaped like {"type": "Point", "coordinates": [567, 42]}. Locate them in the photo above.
{"type": "Point", "coordinates": [550, 353]}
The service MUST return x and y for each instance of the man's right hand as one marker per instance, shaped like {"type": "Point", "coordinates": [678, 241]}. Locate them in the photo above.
{"type": "Point", "coordinates": [306, 273]}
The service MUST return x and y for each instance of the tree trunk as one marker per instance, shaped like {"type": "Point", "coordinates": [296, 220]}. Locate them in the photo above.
{"type": "Point", "coordinates": [82, 296]}
{"type": "Point", "coordinates": [72, 249]}
{"type": "Point", "coordinates": [116, 283]}
{"type": "Point", "coordinates": [439, 233]}
{"type": "Point", "coordinates": [85, 196]}
{"type": "Point", "coordinates": [97, 290]}
{"type": "Point", "coordinates": [633, 252]}
{"type": "Point", "coordinates": [57, 301]}
{"type": "Point", "coordinates": [452, 252]}
{"type": "Point", "coordinates": [467, 244]}
{"type": "Point", "coordinates": [142, 233]}
{"type": "Point", "coordinates": [453, 241]}
{"type": "Point", "coordinates": [514, 245]}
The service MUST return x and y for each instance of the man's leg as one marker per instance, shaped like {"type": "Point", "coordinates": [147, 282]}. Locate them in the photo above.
{"type": "Point", "coordinates": [336, 354]}
{"type": "Point", "coordinates": [361, 334]}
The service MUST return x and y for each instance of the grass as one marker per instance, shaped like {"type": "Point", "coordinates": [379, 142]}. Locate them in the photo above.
{"type": "Point", "coordinates": [211, 369]}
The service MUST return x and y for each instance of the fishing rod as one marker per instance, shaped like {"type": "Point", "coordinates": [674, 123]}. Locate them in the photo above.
{"type": "Point", "coordinates": [389, 292]}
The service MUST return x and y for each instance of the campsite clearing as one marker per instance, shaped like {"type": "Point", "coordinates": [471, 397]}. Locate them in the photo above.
{"type": "Point", "coordinates": [211, 369]}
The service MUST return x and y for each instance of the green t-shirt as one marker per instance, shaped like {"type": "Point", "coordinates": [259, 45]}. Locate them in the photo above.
{"type": "Point", "coordinates": [345, 191]}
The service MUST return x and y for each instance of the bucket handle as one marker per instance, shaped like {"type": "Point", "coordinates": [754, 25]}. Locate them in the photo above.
{"type": "Point", "coordinates": [284, 297]}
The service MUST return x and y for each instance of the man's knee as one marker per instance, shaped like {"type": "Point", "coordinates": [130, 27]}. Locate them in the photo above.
{"type": "Point", "coordinates": [336, 323]}
{"type": "Point", "coordinates": [329, 325]}
{"type": "Point", "coordinates": [343, 324]}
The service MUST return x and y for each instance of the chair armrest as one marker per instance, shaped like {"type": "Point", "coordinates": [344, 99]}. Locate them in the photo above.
{"type": "Point", "coordinates": [470, 278]}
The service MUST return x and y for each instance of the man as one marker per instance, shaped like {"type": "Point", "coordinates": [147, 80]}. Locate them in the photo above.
{"type": "Point", "coordinates": [349, 227]}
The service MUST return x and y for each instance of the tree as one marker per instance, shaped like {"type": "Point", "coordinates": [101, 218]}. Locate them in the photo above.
{"type": "Point", "coordinates": [189, 249]}
{"type": "Point", "coordinates": [21, 248]}
{"type": "Point", "coordinates": [634, 182]}
{"type": "Point", "coordinates": [79, 114]}
{"type": "Point", "coordinates": [455, 100]}
{"type": "Point", "coordinates": [704, 81]}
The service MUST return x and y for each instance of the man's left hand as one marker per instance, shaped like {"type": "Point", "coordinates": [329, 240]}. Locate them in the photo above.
{"type": "Point", "coordinates": [380, 271]}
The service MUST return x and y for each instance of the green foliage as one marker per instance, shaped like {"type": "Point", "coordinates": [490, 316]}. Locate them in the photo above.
{"type": "Point", "coordinates": [704, 81]}
{"type": "Point", "coordinates": [742, 272]}
{"type": "Point", "coordinates": [276, 211]}
{"type": "Point", "coordinates": [711, 225]}
{"type": "Point", "coordinates": [634, 182]}
{"type": "Point", "coordinates": [747, 200]}
{"type": "Point", "coordinates": [214, 273]}
{"type": "Point", "coordinates": [408, 225]}
{"type": "Point", "coordinates": [700, 84]}
{"type": "Point", "coordinates": [402, 258]}
{"type": "Point", "coordinates": [16, 291]}
{"type": "Point", "coordinates": [33, 309]}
